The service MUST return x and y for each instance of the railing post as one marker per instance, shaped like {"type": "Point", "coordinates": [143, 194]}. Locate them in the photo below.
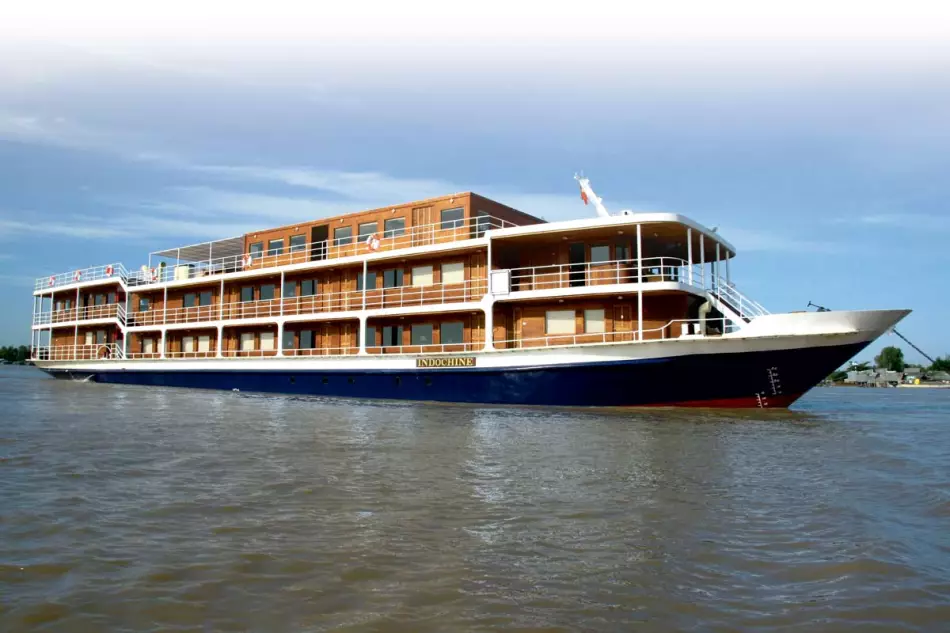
{"type": "Point", "coordinates": [689, 255]}
{"type": "Point", "coordinates": [220, 340]}
{"type": "Point", "coordinates": [361, 331]}
{"type": "Point", "coordinates": [702, 259]}
{"type": "Point", "coordinates": [639, 283]}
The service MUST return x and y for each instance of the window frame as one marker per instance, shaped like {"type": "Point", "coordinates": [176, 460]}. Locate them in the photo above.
{"type": "Point", "coordinates": [394, 232]}
{"type": "Point", "coordinates": [369, 336]}
{"type": "Point", "coordinates": [314, 287]}
{"type": "Point", "coordinates": [451, 224]}
{"type": "Point", "coordinates": [344, 240]}
{"type": "Point", "coordinates": [243, 289]}
{"type": "Point", "coordinates": [461, 266]}
{"type": "Point", "coordinates": [256, 250]}
{"type": "Point", "coordinates": [548, 320]}
{"type": "Point", "coordinates": [205, 294]}
{"type": "Point", "coordinates": [602, 260]}
{"type": "Point", "coordinates": [271, 250]}
{"type": "Point", "coordinates": [398, 278]}
{"type": "Point", "coordinates": [603, 321]}
{"type": "Point", "coordinates": [461, 332]}
{"type": "Point", "coordinates": [418, 277]}
{"type": "Point", "coordinates": [301, 243]}
{"type": "Point", "coordinates": [412, 334]}
{"type": "Point", "coordinates": [370, 276]}
{"type": "Point", "coordinates": [189, 300]}
{"type": "Point", "coordinates": [361, 235]}
{"type": "Point", "coordinates": [272, 292]}
{"type": "Point", "coordinates": [289, 289]}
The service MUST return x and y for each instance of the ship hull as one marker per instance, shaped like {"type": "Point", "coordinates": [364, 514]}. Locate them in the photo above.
{"type": "Point", "coordinates": [773, 378]}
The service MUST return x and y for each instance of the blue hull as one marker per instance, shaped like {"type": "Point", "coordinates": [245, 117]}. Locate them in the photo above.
{"type": "Point", "coordinates": [751, 379]}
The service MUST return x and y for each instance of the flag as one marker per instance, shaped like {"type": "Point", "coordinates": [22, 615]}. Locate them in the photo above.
{"type": "Point", "coordinates": [583, 196]}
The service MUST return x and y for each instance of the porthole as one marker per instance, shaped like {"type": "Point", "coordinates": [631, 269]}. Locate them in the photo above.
{"type": "Point", "coordinates": [326, 380]}
{"type": "Point", "coordinates": [293, 380]}
{"type": "Point", "coordinates": [428, 382]}
{"type": "Point", "coordinates": [351, 380]}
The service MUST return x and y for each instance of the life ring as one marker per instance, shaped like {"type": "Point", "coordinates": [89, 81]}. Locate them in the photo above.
{"type": "Point", "coordinates": [153, 274]}
{"type": "Point", "coordinates": [372, 242]}
{"type": "Point", "coordinates": [109, 271]}
{"type": "Point", "coordinates": [77, 276]}
{"type": "Point", "coordinates": [102, 352]}
{"type": "Point", "coordinates": [248, 260]}
{"type": "Point", "coordinates": [52, 281]}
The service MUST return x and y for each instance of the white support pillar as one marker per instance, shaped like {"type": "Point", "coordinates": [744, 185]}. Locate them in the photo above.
{"type": "Point", "coordinates": [363, 288]}
{"type": "Point", "coordinates": [220, 341]}
{"type": "Point", "coordinates": [362, 330]}
{"type": "Point", "coordinates": [280, 332]}
{"type": "Point", "coordinates": [728, 278]}
{"type": "Point", "coordinates": [281, 294]}
{"type": "Point", "coordinates": [639, 284]}
{"type": "Point", "coordinates": [221, 306]}
{"type": "Point", "coordinates": [164, 312]}
{"type": "Point", "coordinates": [689, 255]}
{"type": "Point", "coordinates": [161, 351]}
{"type": "Point", "coordinates": [716, 269]}
{"type": "Point", "coordinates": [702, 259]}
{"type": "Point", "coordinates": [76, 312]}
{"type": "Point", "coordinates": [488, 303]}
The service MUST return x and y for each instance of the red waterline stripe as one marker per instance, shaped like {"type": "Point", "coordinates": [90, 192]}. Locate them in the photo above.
{"type": "Point", "coordinates": [782, 401]}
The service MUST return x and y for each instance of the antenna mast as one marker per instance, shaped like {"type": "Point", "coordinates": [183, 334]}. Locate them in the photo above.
{"type": "Point", "coordinates": [587, 194]}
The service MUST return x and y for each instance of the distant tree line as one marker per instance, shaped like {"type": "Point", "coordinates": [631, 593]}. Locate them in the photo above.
{"type": "Point", "coordinates": [892, 359]}
{"type": "Point", "coordinates": [14, 354]}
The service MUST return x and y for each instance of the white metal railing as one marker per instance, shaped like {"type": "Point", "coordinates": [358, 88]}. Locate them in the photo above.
{"type": "Point", "coordinates": [421, 235]}
{"type": "Point", "coordinates": [620, 271]}
{"type": "Point", "coordinates": [84, 313]}
{"type": "Point", "coordinates": [745, 307]}
{"type": "Point", "coordinates": [430, 348]}
{"type": "Point", "coordinates": [351, 300]}
{"type": "Point", "coordinates": [676, 328]}
{"type": "Point", "coordinates": [94, 273]}
{"type": "Point", "coordinates": [98, 351]}
{"type": "Point", "coordinates": [322, 351]}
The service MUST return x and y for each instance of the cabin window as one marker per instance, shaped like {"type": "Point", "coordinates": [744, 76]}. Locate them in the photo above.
{"type": "Point", "coordinates": [90, 338]}
{"type": "Point", "coordinates": [392, 335]}
{"type": "Point", "coordinates": [559, 322]}
{"type": "Point", "coordinates": [366, 229]}
{"type": "Point", "coordinates": [204, 343]}
{"type": "Point", "coordinates": [482, 223]}
{"type": "Point", "coordinates": [451, 333]}
{"type": "Point", "coordinates": [422, 276]}
{"type": "Point", "coordinates": [392, 278]}
{"type": "Point", "coordinates": [148, 346]}
{"type": "Point", "coordinates": [594, 321]}
{"type": "Point", "coordinates": [247, 294]}
{"type": "Point", "coordinates": [394, 227]}
{"type": "Point", "coordinates": [100, 337]}
{"type": "Point", "coordinates": [623, 251]}
{"type": "Point", "coordinates": [370, 281]}
{"type": "Point", "coordinates": [110, 298]}
{"type": "Point", "coordinates": [369, 339]}
{"type": "Point", "coordinates": [267, 341]}
{"type": "Point", "coordinates": [343, 235]}
{"type": "Point", "coordinates": [275, 247]}
{"type": "Point", "coordinates": [100, 300]}
{"type": "Point", "coordinates": [289, 290]}
{"type": "Point", "coordinates": [143, 304]}
{"type": "Point", "coordinates": [204, 298]}
{"type": "Point", "coordinates": [308, 287]}
{"type": "Point", "coordinates": [247, 341]}
{"type": "Point", "coordinates": [452, 218]}
{"type": "Point", "coordinates": [267, 292]}
{"type": "Point", "coordinates": [453, 273]}
{"type": "Point", "coordinates": [188, 344]}
{"type": "Point", "coordinates": [257, 249]}
{"type": "Point", "coordinates": [289, 339]}
{"type": "Point", "coordinates": [189, 300]}
{"type": "Point", "coordinates": [298, 243]}
{"type": "Point", "coordinates": [599, 253]}
{"type": "Point", "coordinates": [306, 339]}
{"type": "Point", "coordinates": [422, 334]}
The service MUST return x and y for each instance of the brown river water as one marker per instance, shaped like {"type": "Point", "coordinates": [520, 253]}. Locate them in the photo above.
{"type": "Point", "coordinates": [142, 509]}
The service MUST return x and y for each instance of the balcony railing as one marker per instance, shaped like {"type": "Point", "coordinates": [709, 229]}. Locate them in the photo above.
{"type": "Point", "coordinates": [95, 273]}
{"type": "Point", "coordinates": [620, 271]}
{"type": "Point", "coordinates": [403, 296]}
{"type": "Point", "coordinates": [85, 313]}
{"type": "Point", "coordinates": [100, 351]}
{"type": "Point", "coordinates": [676, 328]}
{"type": "Point", "coordinates": [422, 235]}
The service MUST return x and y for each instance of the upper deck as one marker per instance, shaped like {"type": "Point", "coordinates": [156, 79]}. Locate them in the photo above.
{"type": "Point", "coordinates": [425, 225]}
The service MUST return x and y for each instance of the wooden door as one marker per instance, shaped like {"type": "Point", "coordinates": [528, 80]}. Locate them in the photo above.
{"type": "Point", "coordinates": [623, 322]}
{"type": "Point", "coordinates": [422, 229]}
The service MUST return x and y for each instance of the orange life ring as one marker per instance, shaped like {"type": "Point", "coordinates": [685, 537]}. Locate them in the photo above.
{"type": "Point", "coordinates": [248, 260]}
{"type": "Point", "coordinates": [109, 271]}
{"type": "Point", "coordinates": [52, 281]}
{"type": "Point", "coordinates": [77, 275]}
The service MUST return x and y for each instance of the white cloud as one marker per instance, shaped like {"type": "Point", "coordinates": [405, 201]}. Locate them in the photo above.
{"type": "Point", "coordinates": [910, 221]}
{"type": "Point", "coordinates": [96, 228]}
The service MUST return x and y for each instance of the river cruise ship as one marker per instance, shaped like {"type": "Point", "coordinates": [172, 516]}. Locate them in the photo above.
{"type": "Point", "coordinates": [452, 299]}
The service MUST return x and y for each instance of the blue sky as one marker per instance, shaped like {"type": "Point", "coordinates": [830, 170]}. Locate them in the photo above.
{"type": "Point", "coordinates": [819, 146]}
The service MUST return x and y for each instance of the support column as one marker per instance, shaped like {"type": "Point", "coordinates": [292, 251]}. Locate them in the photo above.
{"type": "Point", "coordinates": [361, 331]}
{"type": "Point", "coordinates": [164, 310]}
{"type": "Point", "coordinates": [728, 279]}
{"type": "Point", "coordinates": [488, 308]}
{"type": "Point", "coordinates": [221, 305]}
{"type": "Point", "coordinates": [161, 351]}
{"type": "Point", "coordinates": [702, 259]}
{"type": "Point", "coordinates": [76, 313]}
{"type": "Point", "coordinates": [689, 255]}
{"type": "Point", "coordinates": [639, 284]}
{"type": "Point", "coordinates": [280, 328]}
{"type": "Point", "coordinates": [281, 297]}
{"type": "Point", "coordinates": [220, 341]}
